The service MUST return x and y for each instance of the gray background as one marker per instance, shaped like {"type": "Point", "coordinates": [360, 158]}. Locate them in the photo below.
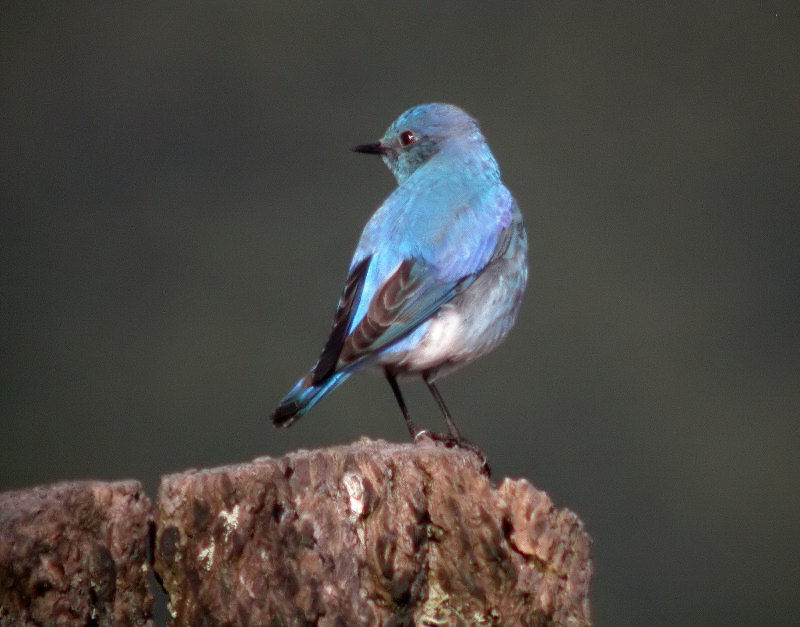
{"type": "Point", "coordinates": [179, 205]}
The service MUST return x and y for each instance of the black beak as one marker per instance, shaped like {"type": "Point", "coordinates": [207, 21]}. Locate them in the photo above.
{"type": "Point", "coordinates": [371, 149]}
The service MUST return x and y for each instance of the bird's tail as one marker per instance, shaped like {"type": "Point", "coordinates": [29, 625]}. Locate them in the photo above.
{"type": "Point", "coordinates": [303, 396]}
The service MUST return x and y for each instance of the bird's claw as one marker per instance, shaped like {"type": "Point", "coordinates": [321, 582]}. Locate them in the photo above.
{"type": "Point", "coordinates": [449, 441]}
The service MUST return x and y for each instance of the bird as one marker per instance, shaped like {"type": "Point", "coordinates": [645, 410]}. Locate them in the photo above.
{"type": "Point", "coordinates": [439, 271]}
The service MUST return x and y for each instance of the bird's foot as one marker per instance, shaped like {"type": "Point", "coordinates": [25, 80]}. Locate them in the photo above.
{"type": "Point", "coordinates": [449, 441]}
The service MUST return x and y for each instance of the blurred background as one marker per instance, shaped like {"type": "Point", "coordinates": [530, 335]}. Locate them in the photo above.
{"type": "Point", "coordinates": [179, 204]}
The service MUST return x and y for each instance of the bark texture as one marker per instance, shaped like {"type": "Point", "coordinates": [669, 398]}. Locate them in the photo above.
{"type": "Point", "coordinates": [75, 554]}
{"type": "Point", "coordinates": [368, 534]}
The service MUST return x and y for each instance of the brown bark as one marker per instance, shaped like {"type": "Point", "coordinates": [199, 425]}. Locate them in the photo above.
{"type": "Point", "coordinates": [365, 534]}
{"type": "Point", "coordinates": [75, 553]}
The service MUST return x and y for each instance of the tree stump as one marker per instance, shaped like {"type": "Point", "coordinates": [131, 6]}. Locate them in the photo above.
{"type": "Point", "coordinates": [368, 534]}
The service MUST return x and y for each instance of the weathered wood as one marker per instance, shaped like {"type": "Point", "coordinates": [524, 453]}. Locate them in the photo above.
{"type": "Point", "coordinates": [366, 534]}
{"type": "Point", "coordinates": [75, 554]}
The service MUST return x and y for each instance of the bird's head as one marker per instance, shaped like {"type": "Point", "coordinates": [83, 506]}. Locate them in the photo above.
{"type": "Point", "coordinates": [419, 134]}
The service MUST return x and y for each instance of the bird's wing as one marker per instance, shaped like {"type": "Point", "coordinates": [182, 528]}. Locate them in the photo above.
{"type": "Point", "coordinates": [404, 301]}
{"type": "Point", "coordinates": [411, 295]}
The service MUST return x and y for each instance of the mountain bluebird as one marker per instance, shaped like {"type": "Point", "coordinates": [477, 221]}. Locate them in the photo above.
{"type": "Point", "coordinates": [440, 269]}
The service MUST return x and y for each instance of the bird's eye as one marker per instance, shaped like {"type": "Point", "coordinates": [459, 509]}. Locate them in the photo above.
{"type": "Point", "coordinates": [407, 138]}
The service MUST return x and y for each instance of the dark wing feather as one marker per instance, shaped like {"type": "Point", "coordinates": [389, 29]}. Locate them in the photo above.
{"type": "Point", "coordinates": [341, 322]}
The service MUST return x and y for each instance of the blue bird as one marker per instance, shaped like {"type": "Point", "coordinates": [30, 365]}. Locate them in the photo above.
{"type": "Point", "coordinates": [439, 272]}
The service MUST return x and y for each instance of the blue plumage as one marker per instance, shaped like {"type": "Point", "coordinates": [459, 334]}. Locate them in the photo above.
{"type": "Point", "coordinates": [439, 271]}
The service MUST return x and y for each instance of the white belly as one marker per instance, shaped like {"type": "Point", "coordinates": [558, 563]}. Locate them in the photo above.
{"type": "Point", "coordinates": [442, 341]}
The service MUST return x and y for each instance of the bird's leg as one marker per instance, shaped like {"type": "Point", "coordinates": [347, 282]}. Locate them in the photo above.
{"type": "Point", "coordinates": [451, 425]}
{"type": "Point", "coordinates": [455, 438]}
{"type": "Point", "coordinates": [392, 379]}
